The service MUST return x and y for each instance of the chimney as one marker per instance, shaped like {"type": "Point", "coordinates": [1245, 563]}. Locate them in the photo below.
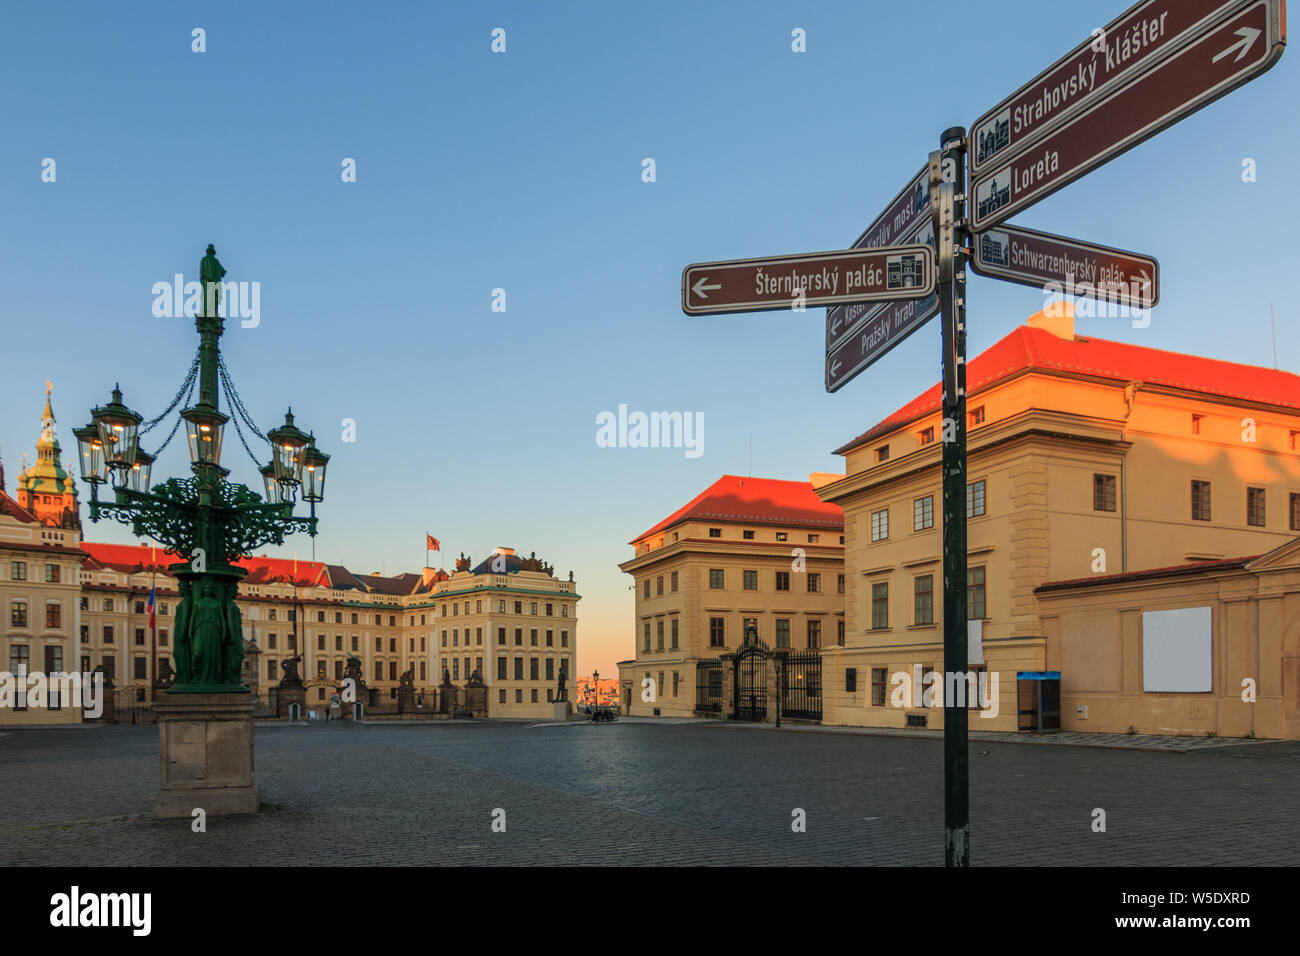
{"type": "Point", "coordinates": [1057, 318]}
{"type": "Point", "coordinates": [508, 552]}
{"type": "Point", "coordinates": [819, 478]}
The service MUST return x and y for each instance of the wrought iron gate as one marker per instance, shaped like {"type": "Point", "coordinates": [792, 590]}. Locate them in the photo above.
{"type": "Point", "coordinates": [708, 687]}
{"type": "Point", "coordinates": [750, 684]}
{"type": "Point", "coordinates": [801, 686]}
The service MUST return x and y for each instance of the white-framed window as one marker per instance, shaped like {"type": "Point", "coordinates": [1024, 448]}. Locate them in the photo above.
{"type": "Point", "coordinates": [923, 513]}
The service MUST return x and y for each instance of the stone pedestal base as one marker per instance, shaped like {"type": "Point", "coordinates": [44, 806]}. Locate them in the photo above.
{"type": "Point", "coordinates": [205, 744]}
{"type": "Point", "coordinates": [562, 709]}
{"type": "Point", "coordinates": [475, 701]}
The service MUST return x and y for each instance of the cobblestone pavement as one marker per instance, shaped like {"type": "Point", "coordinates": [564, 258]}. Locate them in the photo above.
{"type": "Point", "coordinates": [1164, 742]}
{"type": "Point", "coordinates": [638, 793]}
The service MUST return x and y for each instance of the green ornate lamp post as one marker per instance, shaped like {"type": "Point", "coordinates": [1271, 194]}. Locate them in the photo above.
{"type": "Point", "coordinates": [208, 521]}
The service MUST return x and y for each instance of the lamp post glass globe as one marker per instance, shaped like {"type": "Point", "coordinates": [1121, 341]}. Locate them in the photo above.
{"type": "Point", "coordinates": [138, 474]}
{"type": "Point", "coordinates": [314, 463]}
{"type": "Point", "coordinates": [118, 432]}
{"type": "Point", "coordinates": [287, 445]}
{"type": "Point", "coordinates": [269, 485]}
{"type": "Point", "coordinates": [277, 492]}
{"type": "Point", "coordinates": [92, 453]}
{"type": "Point", "coordinates": [204, 428]}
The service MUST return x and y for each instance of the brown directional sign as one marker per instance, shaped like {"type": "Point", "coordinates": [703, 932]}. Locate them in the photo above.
{"type": "Point", "coordinates": [899, 222]}
{"type": "Point", "coordinates": [1226, 56]}
{"type": "Point", "coordinates": [823, 278]}
{"type": "Point", "coordinates": [1098, 66]}
{"type": "Point", "coordinates": [1073, 267]}
{"type": "Point", "coordinates": [876, 336]}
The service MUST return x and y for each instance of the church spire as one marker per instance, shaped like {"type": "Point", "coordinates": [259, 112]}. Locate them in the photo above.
{"type": "Point", "coordinates": [46, 489]}
{"type": "Point", "coordinates": [47, 446]}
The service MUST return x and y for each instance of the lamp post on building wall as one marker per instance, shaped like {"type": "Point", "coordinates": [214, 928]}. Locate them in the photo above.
{"type": "Point", "coordinates": [207, 521]}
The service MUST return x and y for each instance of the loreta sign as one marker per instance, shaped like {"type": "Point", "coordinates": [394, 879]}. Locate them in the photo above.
{"type": "Point", "coordinates": [808, 279]}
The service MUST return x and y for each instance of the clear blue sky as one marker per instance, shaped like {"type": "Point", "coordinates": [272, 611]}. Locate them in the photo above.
{"type": "Point", "coordinates": [523, 171]}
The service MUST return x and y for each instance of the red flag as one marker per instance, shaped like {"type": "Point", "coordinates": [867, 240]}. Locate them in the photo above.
{"type": "Point", "coordinates": [432, 543]}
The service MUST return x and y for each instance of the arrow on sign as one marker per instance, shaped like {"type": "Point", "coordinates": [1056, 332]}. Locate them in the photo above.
{"type": "Point", "coordinates": [699, 287]}
{"type": "Point", "coordinates": [1067, 266]}
{"type": "Point", "coordinates": [1142, 36]}
{"type": "Point", "coordinates": [871, 339]}
{"type": "Point", "coordinates": [1248, 37]}
{"type": "Point", "coordinates": [1190, 78]}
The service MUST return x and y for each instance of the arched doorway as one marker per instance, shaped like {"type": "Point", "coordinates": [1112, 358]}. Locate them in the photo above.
{"type": "Point", "coordinates": [749, 701]}
{"type": "Point", "coordinates": [321, 695]}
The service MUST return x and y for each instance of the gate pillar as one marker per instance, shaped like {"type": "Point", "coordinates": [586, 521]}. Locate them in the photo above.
{"type": "Point", "coordinates": [777, 662]}
{"type": "Point", "coordinates": [728, 685]}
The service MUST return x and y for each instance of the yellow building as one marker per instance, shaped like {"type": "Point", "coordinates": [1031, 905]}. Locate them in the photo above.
{"type": "Point", "coordinates": [40, 555]}
{"type": "Point", "coordinates": [1085, 458]}
{"type": "Point", "coordinates": [77, 606]}
{"type": "Point", "coordinates": [516, 624]}
{"type": "Point", "coordinates": [1208, 647]}
{"type": "Point", "coordinates": [432, 625]}
{"type": "Point", "coordinates": [744, 549]}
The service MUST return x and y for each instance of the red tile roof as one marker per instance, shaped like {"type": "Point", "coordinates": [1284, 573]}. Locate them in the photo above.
{"type": "Point", "coordinates": [1174, 570]}
{"type": "Point", "coordinates": [756, 501]}
{"type": "Point", "coordinates": [131, 558]}
{"type": "Point", "coordinates": [14, 510]}
{"type": "Point", "coordinates": [1036, 348]}
{"type": "Point", "coordinates": [303, 574]}
{"type": "Point", "coordinates": [124, 557]}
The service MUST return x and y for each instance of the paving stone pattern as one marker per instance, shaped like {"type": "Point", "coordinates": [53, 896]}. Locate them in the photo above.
{"type": "Point", "coordinates": [631, 793]}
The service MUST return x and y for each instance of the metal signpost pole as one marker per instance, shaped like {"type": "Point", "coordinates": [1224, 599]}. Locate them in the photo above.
{"type": "Point", "coordinates": [949, 210]}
